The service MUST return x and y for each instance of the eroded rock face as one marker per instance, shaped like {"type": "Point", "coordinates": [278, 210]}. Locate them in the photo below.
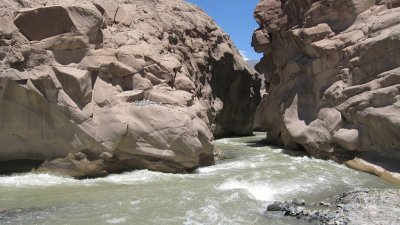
{"type": "Point", "coordinates": [333, 73]}
{"type": "Point", "coordinates": [95, 87]}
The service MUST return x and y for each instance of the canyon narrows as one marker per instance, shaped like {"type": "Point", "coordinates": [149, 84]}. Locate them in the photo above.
{"type": "Point", "coordinates": [142, 112]}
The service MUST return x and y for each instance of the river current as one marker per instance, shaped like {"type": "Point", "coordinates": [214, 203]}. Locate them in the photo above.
{"type": "Point", "coordinates": [234, 191]}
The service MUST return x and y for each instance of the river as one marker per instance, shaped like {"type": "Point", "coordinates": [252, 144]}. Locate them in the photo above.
{"type": "Point", "coordinates": [234, 191]}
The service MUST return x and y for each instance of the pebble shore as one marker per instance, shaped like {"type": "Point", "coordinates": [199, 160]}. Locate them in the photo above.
{"type": "Point", "coordinates": [353, 208]}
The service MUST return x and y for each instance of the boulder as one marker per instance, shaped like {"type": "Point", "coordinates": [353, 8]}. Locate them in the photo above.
{"type": "Point", "coordinates": [276, 206]}
{"type": "Point", "coordinates": [347, 138]}
{"type": "Point", "coordinates": [184, 83]}
{"type": "Point", "coordinates": [136, 82]}
{"type": "Point", "coordinates": [44, 22]}
{"type": "Point", "coordinates": [76, 83]}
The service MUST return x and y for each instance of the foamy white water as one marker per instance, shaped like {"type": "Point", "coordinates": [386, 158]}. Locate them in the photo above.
{"type": "Point", "coordinates": [235, 191]}
{"type": "Point", "coordinates": [258, 190]}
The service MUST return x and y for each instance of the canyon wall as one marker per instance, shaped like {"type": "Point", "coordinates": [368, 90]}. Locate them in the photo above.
{"type": "Point", "coordinates": [89, 88]}
{"type": "Point", "coordinates": [333, 76]}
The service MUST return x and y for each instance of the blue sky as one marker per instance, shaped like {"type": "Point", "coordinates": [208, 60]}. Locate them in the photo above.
{"type": "Point", "coordinates": [236, 18]}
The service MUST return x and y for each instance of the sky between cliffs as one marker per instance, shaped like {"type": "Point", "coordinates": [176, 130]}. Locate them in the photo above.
{"type": "Point", "coordinates": [236, 18]}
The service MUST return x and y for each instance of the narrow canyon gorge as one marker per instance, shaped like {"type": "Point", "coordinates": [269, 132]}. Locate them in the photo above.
{"type": "Point", "coordinates": [148, 112]}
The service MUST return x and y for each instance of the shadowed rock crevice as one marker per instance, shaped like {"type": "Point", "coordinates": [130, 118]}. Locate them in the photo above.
{"type": "Point", "coordinates": [19, 166]}
{"type": "Point", "coordinates": [239, 102]}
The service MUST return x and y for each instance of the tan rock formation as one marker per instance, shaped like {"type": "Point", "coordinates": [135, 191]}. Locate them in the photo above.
{"type": "Point", "coordinates": [95, 87]}
{"type": "Point", "coordinates": [333, 70]}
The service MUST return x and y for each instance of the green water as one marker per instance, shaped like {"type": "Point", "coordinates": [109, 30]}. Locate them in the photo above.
{"type": "Point", "coordinates": [235, 191]}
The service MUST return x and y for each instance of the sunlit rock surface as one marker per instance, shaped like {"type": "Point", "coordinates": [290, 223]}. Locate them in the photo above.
{"type": "Point", "coordinates": [95, 87]}
{"type": "Point", "coordinates": [333, 74]}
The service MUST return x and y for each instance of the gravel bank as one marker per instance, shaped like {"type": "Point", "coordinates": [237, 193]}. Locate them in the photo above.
{"type": "Point", "coordinates": [353, 208]}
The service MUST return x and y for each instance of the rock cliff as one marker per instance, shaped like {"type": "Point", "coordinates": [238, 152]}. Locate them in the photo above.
{"type": "Point", "coordinates": [333, 74]}
{"type": "Point", "coordinates": [89, 88]}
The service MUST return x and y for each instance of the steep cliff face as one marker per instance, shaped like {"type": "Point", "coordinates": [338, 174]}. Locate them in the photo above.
{"type": "Point", "coordinates": [333, 73]}
{"type": "Point", "coordinates": [94, 87]}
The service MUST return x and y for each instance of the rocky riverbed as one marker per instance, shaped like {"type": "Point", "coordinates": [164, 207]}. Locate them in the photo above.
{"type": "Point", "coordinates": [372, 206]}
